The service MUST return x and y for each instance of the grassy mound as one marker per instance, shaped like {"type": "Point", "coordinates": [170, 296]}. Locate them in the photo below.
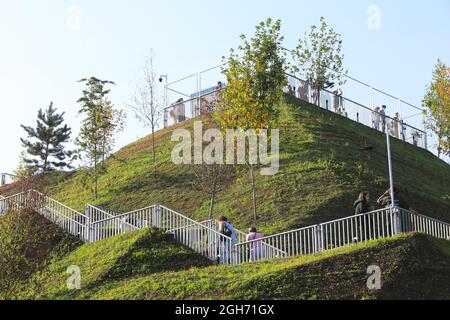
{"type": "Point", "coordinates": [28, 242]}
{"type": "Point", "coordinates": [119, 258]}
{"type": "Point", "coordinates": [412, 267]}
{"type": "Point", "coordinates": [324, 165]}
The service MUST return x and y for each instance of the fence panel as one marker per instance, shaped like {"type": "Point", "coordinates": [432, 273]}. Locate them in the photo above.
{"type": "Point", "coordinates": [358, 228]}
{"type": "Point", "coordinates": [292, 243]}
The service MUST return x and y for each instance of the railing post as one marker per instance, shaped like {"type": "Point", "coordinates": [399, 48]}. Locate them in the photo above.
{"type": "Point", "coordinates": [158, 216]}
{"type": "Point", "coordinates": [87, 230]}
{"type": "Point", "coordinates": [396, 228]}
{"type": "Point", "coordinates": [398, 220]}
{"type": "Point", "coordinates": [87, 226]}
{"type": "Point", "coordinates": [319, 238]}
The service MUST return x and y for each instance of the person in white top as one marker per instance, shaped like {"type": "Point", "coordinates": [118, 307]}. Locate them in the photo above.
{"type": "Point", "coordinates": [256, 248]}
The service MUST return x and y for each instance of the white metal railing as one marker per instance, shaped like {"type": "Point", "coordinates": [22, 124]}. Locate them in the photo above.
{"type": "Point", "coordinates": [292, 243]}
{"type": "Point", "coordinates": [203, 237]}
{"type": "Point", "coordinates": [12, 203]}
{"type": "Point", "coordinates": [358, 228]}
{"type": "Point", "coordinates": [67, 218]}
{"type": "Point", "coordinates": [330, 235]}
{"type": "Point", "coordinates": [123, 223]}
{"type": "Point", "coordinates": [255, 251]}
{"type": "Point", "coordinates": [414, 222]}
{"type": "Point", "coordinates": [364, 98]}
{"type": "Point", "coordinates": [341, 105]}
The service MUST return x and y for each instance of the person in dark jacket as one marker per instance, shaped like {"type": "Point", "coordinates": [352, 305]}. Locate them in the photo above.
{"type": "Point", "coordinates": [362, 204]}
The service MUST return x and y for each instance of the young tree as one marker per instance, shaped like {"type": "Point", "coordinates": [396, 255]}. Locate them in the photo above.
{"type": "Point", "coordinates": [101, 121]}
{"type": "Point", "coordinates": [437, 103]}
{"type": "Point", "coordinates": [146, 103]}
{"type": "Point", "coordinates": [211, 179]}
{"type": "Point", "coordinates": [113, 121]}
{"type": "Point", "coordinates": [255, 83]}
{"type": "Point", "coordinates": [22, 168]}
{"type": "Point", "coordinates": [47, 151]}
{"type": "Point", "coordinates": [320, 58]}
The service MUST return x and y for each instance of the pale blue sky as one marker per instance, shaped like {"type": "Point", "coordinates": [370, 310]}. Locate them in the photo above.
{"type": "Point", "coordinates": [43, 54]}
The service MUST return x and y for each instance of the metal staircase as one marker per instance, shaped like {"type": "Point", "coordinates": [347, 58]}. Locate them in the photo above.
{"type": "Point", "coordinates": [97, 224]}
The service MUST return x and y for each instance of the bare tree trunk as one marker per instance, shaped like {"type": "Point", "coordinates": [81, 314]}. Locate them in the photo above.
{"type": "Point", "coordinates": [211, 205]}
{"type": "Point", "coordinates": [252, 176]}
{"type": "Point", "coordinates": [213, 198]}
{"type": "Point", "coordinates": [318, 97]}
{"type": "Point", "coordinates": [153, 143]}
{"type": "Point", "coordinates": [95, 173]}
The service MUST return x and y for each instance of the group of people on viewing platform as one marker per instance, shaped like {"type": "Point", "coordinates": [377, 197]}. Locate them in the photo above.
{"type": "Point", "coordinates": [304, 92]}
{"type": "Point", "coordinates": [395, 126]}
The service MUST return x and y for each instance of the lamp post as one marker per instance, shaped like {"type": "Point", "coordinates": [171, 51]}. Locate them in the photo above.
{"type": "Point", "coordinates": [391, 176]}
{"type": "Point", "coordinates": [161, 77]}
{"type": "Point", "coordinates": [394, 212]}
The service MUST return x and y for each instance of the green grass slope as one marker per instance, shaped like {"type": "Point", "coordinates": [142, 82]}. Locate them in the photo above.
{"type": "Point", "coordinates": [323, 167]}
{"type": "Point", "coordinates": [412, 267]}
{"type": "Point", "coordinates": [28, 243]}
{"type": "Point", "coordinates": [113, 260]}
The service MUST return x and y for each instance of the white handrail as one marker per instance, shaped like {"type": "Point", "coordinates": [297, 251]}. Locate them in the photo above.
{"type": "Point", "coordinates": [206, 240]}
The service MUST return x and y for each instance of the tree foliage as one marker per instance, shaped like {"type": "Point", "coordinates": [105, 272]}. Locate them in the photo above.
{"type": "Point", "coordinates": [320, 58]}
{"type": "Point", "coordinates": [437, 103]}
{"type": "Point", "coordinates": [255, 82]}
{"type": "Point", "coordinates": [47, 152]}
{"type": "Point", "coordinates": [101, 121]}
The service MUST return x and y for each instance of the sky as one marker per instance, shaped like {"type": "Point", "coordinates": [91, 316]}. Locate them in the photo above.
{"type": "Point", "coordinates": [47, 45]}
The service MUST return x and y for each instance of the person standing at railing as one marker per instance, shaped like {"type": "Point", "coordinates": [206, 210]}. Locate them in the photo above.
{"type": "Point", "coordinates": [383, 118]}
{"type": "Point", "coordinates": [385, 200]}
{"type": "Point", "coordinates": [376, 118]}
{"type": "Point", "coordinates": [290, 90]}
{"type": "Point", "coordinates": [256, 251]}
{"type": "Point", "coordinates": [303, 90]}
{"type": "Point", "coordinates": [218, 94]}
{"type": "Point", "coordinates": [416, 136]}
{"type": "Point", "coordinates": [394, 125]}
{"type": "Point", "coordinates": [226, 229]}
{"type": "Point", "coordinates": [362, 204]}
{"type": "Point", "coordinates": [337, 99]}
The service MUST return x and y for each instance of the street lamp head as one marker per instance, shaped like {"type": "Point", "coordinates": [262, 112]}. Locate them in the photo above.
{"type": "Point", "coordinates": [161, 77]}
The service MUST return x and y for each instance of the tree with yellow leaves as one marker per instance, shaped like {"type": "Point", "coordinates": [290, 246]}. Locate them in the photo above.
{"type": "Point", "coordinates": [254, 88]}
{"type": "Point", "coordinates": [437, 103]}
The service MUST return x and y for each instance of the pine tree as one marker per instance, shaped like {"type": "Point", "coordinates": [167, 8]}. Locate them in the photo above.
{"type": "Point", "coordinates": [47, 152]}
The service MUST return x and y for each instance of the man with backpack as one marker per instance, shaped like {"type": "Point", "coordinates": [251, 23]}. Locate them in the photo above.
{"type": "Point", "coordinates": [226, 229]}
